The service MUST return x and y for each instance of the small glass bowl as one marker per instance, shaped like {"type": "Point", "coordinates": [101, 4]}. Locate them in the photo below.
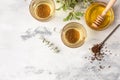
{"type": "Point", "coordinates": [96, 9]}
{"type": "Point", "coordinates": [79, 28]}
{"type": "Point", "coordinates": [37, 3]}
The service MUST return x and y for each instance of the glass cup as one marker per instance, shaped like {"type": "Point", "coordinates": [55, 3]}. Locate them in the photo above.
{"type": "Point", "coordinates": [96, 9]}
{"type": "Point", "coordinates": [73, 34]}
{"type": "Point", "coordinates": [42, 10]}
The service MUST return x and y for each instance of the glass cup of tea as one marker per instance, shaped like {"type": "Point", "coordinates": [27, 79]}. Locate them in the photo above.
{"type": "Point", "coordinates": [73, 34]}
{"type": "Point", "coordinates": [42, 10]}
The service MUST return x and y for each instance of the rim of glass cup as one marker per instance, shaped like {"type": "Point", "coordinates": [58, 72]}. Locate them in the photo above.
{"type": "Point", "coordinates": [79, 27]}
{"type": "Point", "coordinates": [32, 12]}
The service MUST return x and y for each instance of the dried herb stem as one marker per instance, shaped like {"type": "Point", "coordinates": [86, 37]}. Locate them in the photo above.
{"type": "Point", "coordinates": [50, 44]}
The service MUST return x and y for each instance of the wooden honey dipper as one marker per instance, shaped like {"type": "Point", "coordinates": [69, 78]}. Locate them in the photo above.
{"type": "Point", "coordinates": [100, 18]}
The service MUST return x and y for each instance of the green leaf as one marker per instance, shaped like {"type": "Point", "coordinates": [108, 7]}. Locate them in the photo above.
{"type": "Point", "coordinates": [77, 18]}
{"type": "Point", "coordinates": [60, 8]}
{"type": "Point", "coordinates": [64, 7]}
{"type": "Point", "coordinates": [69, 17]}
{"type": "Point", "coordinates": [79, 13]}
{"type": "Point", "coordinates": [58, 1]}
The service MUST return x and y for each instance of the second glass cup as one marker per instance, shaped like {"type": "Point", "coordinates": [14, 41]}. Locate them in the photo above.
{"type": "Point", "coordinates": [73, 34]}
{"type": "Point", "coordinates": [42, 10]}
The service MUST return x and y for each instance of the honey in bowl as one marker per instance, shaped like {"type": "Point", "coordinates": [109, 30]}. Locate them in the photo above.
{"type": "Point", "coordinates": [96, 9]}
{"type": "Point", "coordinates": [73, 34]}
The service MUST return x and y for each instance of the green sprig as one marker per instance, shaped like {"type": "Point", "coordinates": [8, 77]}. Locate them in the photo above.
{"type": "Point", "coordinates": [70, 5]}
{"type": "Point", "coordinates": [74, 15]}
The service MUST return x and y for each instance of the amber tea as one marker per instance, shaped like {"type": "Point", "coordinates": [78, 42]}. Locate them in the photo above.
{"type": "Point", "coordinates": [72, 35]}
{"type": "Point", "coordinates": [43, 10]}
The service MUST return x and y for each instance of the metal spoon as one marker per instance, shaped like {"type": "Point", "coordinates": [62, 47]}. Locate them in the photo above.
{"type": "Point", "coordinates": [96, 49]}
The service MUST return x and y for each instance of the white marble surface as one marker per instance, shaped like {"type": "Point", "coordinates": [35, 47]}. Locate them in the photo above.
{"type": "Point", "coordinates": [32, 60]}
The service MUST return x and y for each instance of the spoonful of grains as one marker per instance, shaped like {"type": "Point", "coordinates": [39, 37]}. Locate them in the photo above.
{"type": "Point", "coordinates": [96, 49]}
